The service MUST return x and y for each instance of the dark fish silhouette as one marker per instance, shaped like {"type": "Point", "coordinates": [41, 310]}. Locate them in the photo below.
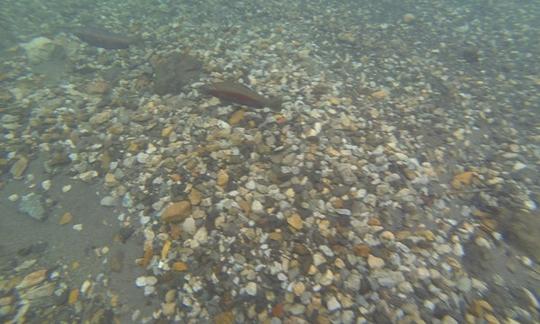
{"type": "Point", "coordinates": [103, 38]}
{"type": "Point", "coordinates": [238, 93]}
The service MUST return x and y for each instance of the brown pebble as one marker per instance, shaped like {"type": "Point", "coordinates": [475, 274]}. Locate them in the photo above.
{"type": "Point", "coordinates": [179, 266]}
{"type": "Point", "coordinates": [222, 178]}
{"type": "Point", "coordinates": [32, 279]}
{"type": "Point", "coordinates": [65, 219]}
{"type": "Point", "coordinates": [73, 296]}
{"type": "Point", "coordinates": [176, 212]}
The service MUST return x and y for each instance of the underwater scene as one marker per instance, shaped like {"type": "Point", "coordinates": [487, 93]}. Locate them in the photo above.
{"type": "Point", "coordinates": [266, 161]}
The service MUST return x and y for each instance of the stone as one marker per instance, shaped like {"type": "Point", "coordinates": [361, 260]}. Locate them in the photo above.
{"type": "Point", "coordinates": [295, 221]}
{"type": "Point", "coordinates": [375, 262]}
{"type": "Point", "coordinates": [18, 168]}
{"type": "Point", "coordinates": [179, 266]}
{"type": "Point", "coordinates": [222, 178]}
{"type": "Point", "coordinates": [299, 288]}
{"type": "Point", "coordinates": [42, 49]}
{"type": "Point", "coordinates": [251, 288]}
{"type": "Point", "coordinates": [379, 94]}
{"type": "Point", "coordinates": [464, 284]}
{"type": "Point", "coordinates": [257, 207]}
{"type": "Point", "coordinates": [169, 309]}
{"type": "Point", "coordinates": [66, 218]}
{"type": "Point", "coordinates": [332, 304]}
{"type": "Point", "coordinates": [176, 212]}
{"type": "Point", "coordinates": [175, 72]}
{"type": "Point", "coordinates": [201, 236]}
{"type": "Point", "coordinates": [408, 18]}
{"type": "Point", "coordinates": [32, 279]}
{"type": "Point", "coordinates": [108, 201]}
{"type": "Point", "coordinates": [73, 296]}
{"type": "Point", "coordinates": [31, 205]}
{"type": "Point", "coordinates": [189, 225]}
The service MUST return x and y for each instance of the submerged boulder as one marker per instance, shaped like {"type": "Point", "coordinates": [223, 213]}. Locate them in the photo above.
{"type": "Point", "coordinates": [42, 49]}
{"type": "Point", "coordinates": [175, 72]}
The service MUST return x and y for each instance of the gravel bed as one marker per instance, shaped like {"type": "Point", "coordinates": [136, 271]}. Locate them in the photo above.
{"type": "Point", "coordinates": [397, 183]}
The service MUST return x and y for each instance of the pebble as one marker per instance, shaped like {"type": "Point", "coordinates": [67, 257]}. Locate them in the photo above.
{"type": "Point", "coordinates": [108, 201]}
{"type": "Point", "coordinates": [31, 205]}
{"type": "Point", "coordinates": [257, 207]}
{"type": "Point", "coordinates": [78, 227]}
{"type": "Point", "coordinates": [201, 236]}
{"type": "Point", "coordinates": [375, 262]}
{"type": "Point", "coordinates": [299, 288]}
{"type": "Point", "coordinates": [318, 259]}
{"type": "Point", "coordinates": [176, 212]}
{"type": "Point", "coordinates": [13, 197]}
{"type": "Point", "coordinates": [32, 279]}
{"type": "Point", "coordinates": [423, 273]}
{"type": "Point", "coordinates": [295, 221]}
{"type": "Point", "coordinates": [46, 185]}
{"type": "Point", "coordinates": [408, 18]}
{"type": "Point", "coordinates": [18, 168]}
{"type": "Point", "coordinates": [332, 304]}
{"type": "Point", "coordinates": [464, 284]}
{"type": "Point", "coordinates": [66, 188]}
{"type": "Point", "coordinates": [189, 225]}
{"type": "Point", "coordinates": [251, 288]}
{"type": "Point", "coordinates": [297, 309]}
{"type": "Point", "coordinates": [168, 309]}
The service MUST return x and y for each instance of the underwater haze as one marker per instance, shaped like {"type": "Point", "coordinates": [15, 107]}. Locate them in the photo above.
{"type": "Point", "coordinates": [269, 161]}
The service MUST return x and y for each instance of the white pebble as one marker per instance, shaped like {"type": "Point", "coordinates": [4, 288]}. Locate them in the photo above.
{"type": "Point", "coordinates": [46, 185]}
{"type": "Point", "coordinates": [251, 288]}
{"type": "Point", "coordinates": [13, 198]}
{"type": "Point", "coordinates": [140, 281]}
{"type": "Point", "coordinates": [332, 304]}
{"type": "Point", "coordinates": [78, 227]}
{"type": "Point", "coordinates": [66, 188]}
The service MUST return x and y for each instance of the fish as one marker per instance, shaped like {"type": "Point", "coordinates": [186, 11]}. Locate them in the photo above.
{"type": "Point", "coordinates": [240, 94]}
{"type": "Point", "coordinates": [103, 38]}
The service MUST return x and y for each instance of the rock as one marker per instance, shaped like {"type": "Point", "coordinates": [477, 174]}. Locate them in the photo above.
{"type": "Point", "coordinates": [464, 284]}
{"type": "Point", "coordinates": [295, 221]}
{"type": "Point", "coordinates": [375, 262]}
{"type": "Point", "coordinates": [332, 304]}
{"type": "Point", "coordinates": [176, 212]}
{"type": "Point", "coordinates": [251, 288]}
{"type": "Point", "coordinates": [108, 201]}
{"type": "Point", "coordinates": [18, 168]}
{"type": "Point", "coordinates": [42, 49]}
{"type": "Point", "coordinates": [65, 219]}
{"type": "Point", "coordinates": [257, 207]}
{"type": "Point", "coordinates": [32, 279]}
{"type": "Point", "coordinates": [201, 236]}
{"type": "Point", "coordinates": [299, 288]}
{"type": "Point", "coordinates": [99, 87]}
{"type": "Point", "coordinates": [379, 95]}
{"type": "Point", "coordinates": [168, 309]}
{"type": "Point", "coordinates": [179, 266]}
{"type": "Point", "coordinates": [31, 204]}
{"type": "Point", "coordinates": [175, 72]}
{"type": "Point", "coordinates": [408, 18]}
{"type": "Point", "coordinates": [222, 178]}
{"type": "Point", "coordinates": [189, 225]}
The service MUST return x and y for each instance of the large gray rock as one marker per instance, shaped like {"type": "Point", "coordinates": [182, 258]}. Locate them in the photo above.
{"type": "Point", "coordinates": [42, 49]}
